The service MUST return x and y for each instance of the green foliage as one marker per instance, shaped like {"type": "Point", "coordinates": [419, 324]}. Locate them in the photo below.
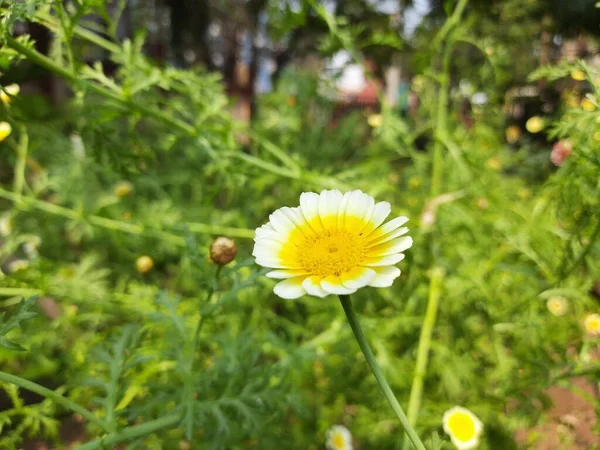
{"type": "Point", "coordinates": [23, 312]}
{"type": "Point", "coordinates": [146, 160]}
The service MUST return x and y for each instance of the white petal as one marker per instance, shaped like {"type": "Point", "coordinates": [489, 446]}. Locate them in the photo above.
{"type": "Point", "coordinates": [357, 277]}
{"type": "Point", "coordinates": [267, 231]}
{"type": "Point", "coordinates": [313, 287]}
{"type": "Point", "coordinates": [386, 237]}
{"type": "Point", "coordinates": [380, 213]}
{"type": "Point", "coordinates": [385, 276]}
{"type": "Point", "coordinates": [359, 210]}
{"type": "Point", "coordinates": [333, 285]}
{"type": "Point", "coordinates": [290, 288]}
{"type": "Point", "coordinates": [388, 227]}
{"type": "Point", "coordinates": [329, 206]}
{"type": "Point", "coordinates": [389, 248]}
{"type": "Point", "coordinates": [281, 221]}
{"type": "Point", "coordinates": [309, 205]}
{"type": "Point", "coordinates": [388, 260]}
{"type": "Point", "coordinates": [283, 274]}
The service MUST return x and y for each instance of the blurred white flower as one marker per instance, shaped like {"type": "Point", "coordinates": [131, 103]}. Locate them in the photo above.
{"type": "Point", "coordinates": [339, 438]}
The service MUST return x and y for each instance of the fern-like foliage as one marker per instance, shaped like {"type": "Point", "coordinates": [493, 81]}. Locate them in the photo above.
{"type": "Point", "coordinates": [23, 312]}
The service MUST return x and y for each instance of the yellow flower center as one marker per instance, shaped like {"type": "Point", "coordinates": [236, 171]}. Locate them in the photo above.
{"type": "Point", "coordinates": [593, 325]}
{"type": "Point", "coordinates": [462, 426]}
{"type": "Point", "coordinates": [331, 252]}
{"type": "Point", "coordinates": [338, 441]}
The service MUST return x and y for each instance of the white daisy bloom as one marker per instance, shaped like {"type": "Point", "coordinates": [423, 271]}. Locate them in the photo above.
{"type": "Point", "coordinates": [339, 438]}
{"type": "Point", "coordinates": [592, 324]}
{"type": "Point", "coordinates": [463, 427]}
{"type": "Point", "coordinates": [558, 306]}
{"type": "Point", "coordinates": [332, 243]}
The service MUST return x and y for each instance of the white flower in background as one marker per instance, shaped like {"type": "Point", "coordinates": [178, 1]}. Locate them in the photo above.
{"type": "Point", "coordinates": [332, 243]}
{"type": "Point", "coordinates": [339, 438]}
{"type": "Point", "coordinates": [463, 427]}
{"type": "Point", "coordinates": [7, 92]}
{"type": "Point", "coordinates": [31, 247]}
{"type": "Point", "coordinates": [77, 147]}
{"type": "Point", "coordinates": [592, 324]}
{"type": "Point", "coordinates": [17, 265]}
{"type": "Point", "coordinates": [557, 306]}
{"type": "Point", "coordinates": [5, 226]}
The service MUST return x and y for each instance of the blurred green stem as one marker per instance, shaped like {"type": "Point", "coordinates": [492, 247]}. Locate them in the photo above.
{"type": "Point", "coordinates": [21, 162]}
{"type": "Point", "coordinates": [203, 317]}
{"type": "Point", "coordinates": [416, 390]}
{"type": "Point", "coordinates": [132, 432]}
{"type": "Point", "coordinates": [56, 398]}
{"type": "Point", "coordinates": [385, 387]}
{"type": "Point", "coordinates": [583, 254]}
{"type": "Point", "coordinates": [66, 31]}
{"type": "Point", "coordinates": [26, 203]}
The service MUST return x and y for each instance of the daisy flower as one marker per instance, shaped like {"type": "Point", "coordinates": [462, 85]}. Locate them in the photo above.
{"type": "Point", "coordinates": [332, 243]}
{"type": "Point", "coordinates": [339, 438]}
{"type": "Point", "coordinates": [463, 428]}
{"type": "Point", "coordinates": [592, 324]}
{"type": "Point", "coordinates": [558, 306]}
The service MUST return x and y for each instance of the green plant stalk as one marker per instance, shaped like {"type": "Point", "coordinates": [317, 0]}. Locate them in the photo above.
{"type": "Point", "coordinates": [12, 292]}
{"type": "Point", "coordinates": [19, 180]}
{"type": "Point", "coordinates": [416, 391]}
{"type": "Point", "coordinates": [584, 252]}
{"type": "Point", "coordinates": [131, 105]}
{"type": "Point", "coordinates": [132, 432]}
{"type": "Point", "coordinates": [67, 32]}
{"type": "Point", "coordinates": [385, 387]}
{"type": "Point", "coordinates": [26, 203]}
{"type": "Point", "coordinates": [57, 398]}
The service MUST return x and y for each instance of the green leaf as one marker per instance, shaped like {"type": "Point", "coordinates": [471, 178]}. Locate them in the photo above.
{"type": "Point", "coordinates": [22, 313]}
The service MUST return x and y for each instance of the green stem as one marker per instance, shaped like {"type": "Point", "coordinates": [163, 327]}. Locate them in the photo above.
{"type": "Point", "coordinates": [50, 65]}
{"type": "Point", "coordinates": [416, 390]}
{"type": "Point", "coordinates": [385, 387]}
{"type": "Point", "coordinates": [132, 432]}
{"type": "Point", "coordinates": [12, 292]}
{"type": "Point", "coordinates": [21, 160]}
{"type": "Point", "coordinates": [66, 31]}
{"type": "Point", "coordinates": [57, 398]}
{"type": "Point", "coordinates": [209, 294]}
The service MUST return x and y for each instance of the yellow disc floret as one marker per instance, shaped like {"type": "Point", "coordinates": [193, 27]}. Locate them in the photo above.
{"type": "Point", "coordinates": [462, 426]}
{"type": "Point", "coordinates": [331, 252]}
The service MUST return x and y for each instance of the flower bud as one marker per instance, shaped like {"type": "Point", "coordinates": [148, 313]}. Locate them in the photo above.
{"type": "Point", "coordinates": [144, 264]}
{"type": "Point", "coordinates": [123, 189]}
{"type": "Point", "coordinates": [223, 250]}
{"type": "Point", "coordinates": [5, 130]}
{"type": "Point", "coordinates": [8, 92]}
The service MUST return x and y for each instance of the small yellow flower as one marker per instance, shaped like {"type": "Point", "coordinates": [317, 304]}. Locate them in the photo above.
{"type": "Point", "coordinates": [123, 189]}
{"type": "Point", "coordinates": [414, 182]}
{"type": "Point", "coordinates": [578, 75]}
{"type": "Point", "coordinates": [513, 133]}
{"type": "Point", "coordinates": [223, 250]}
{"type": "Point", "coordinates": [8, 92]}
{"type": "Point", "coordinates": [535, 124]}
{"type": "Point", "coordinates": [592, 324]}
{"type": "Point", "coordinates": [494, 163]}
{"type": "Point", "coordinates": [375, 120]}
{"type": "Point", "coordinates": [489, 51]}
{"type": "Point", "coordinates": [332, 243]}
{"type": "Point", "coordinates": [339, 438]}
{"type": "Point", "coordinates": [463, 427]}
{"type": "Point", "coordinates": [144, 264]}
{"type": "Point", "coordinates": [597, 136]}
{"type": "Point", "coordinates": [587, 105]}
{"type": "Point", "coordinates": [5, 130]}
{"type": "Point", "coordinates": [558, 306]}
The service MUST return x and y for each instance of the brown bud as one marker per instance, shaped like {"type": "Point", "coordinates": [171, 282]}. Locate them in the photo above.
{"type": "Point", "coordinates": [223, 250]}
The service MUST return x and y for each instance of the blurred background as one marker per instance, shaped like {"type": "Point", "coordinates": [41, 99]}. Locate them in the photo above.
{"type": "Point", "coordinates": [133, 133]}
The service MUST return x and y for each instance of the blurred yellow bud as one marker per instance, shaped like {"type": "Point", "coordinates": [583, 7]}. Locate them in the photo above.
{"type": "Point", "coordinates": [592, 324]}
{"type": "Point", "coordinates": [597, 136]}
{"type": "Point", "coordinates": [414, 182]}
{"type": "Point", "coordinates": [578, 75]}
{"type": "Point", "coordinates": [7, 92]}
{"type": "Point", "coordinates": [558, 306]}
{"type": "Point", "coordinates": [123, 189]}
{"type": "Point", "coordinates": [493, 163]}
{"type": "Point", "coordinates": [588, 105]}
{"type": "Point", "coordinates": [6, 226]}
{"type": "Point", "coordinates": [5, 130]}
{"type": "Point", "coordinates": [375, 120]}
{"type": "Point", "coordinates": [223, 250]}
{"type": "Point", "coordinates": [513, 133]}
{"type": "Point", "coordinates": [535, 124]}
{"type": "Point", "coordinates": [483, 203]}
{"type": "Point", "coordinates": [144, 264]}
{"type": "Point", "coordinates": [489, 51]}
